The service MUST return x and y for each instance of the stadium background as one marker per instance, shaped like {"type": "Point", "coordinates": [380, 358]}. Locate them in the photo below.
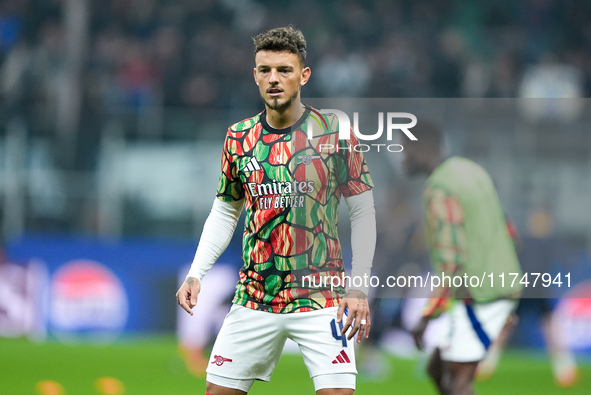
{"type": "Point", "coordinates": [112, 115]}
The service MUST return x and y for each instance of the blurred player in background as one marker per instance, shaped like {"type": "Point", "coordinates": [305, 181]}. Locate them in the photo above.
{"type": "Point", "coordinates": [290, 188]}
{"type": "Point", "coordinates": [467, 233]}
{"type": "Point", "coordinates": [197, 332]}
{"type": "Point", "coordinates": [538, 251]}
{"type": "Point", "coordinates": [541, 250]}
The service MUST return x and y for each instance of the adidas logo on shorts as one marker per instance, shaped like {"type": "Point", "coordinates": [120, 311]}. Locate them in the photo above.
{"type": "Point", "coordinates": [252, 165]}
{"type": "Point", "coordinates": [342, 357]}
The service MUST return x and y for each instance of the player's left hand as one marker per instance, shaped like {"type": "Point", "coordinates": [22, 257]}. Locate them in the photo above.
{"type": "Point", "coordinates": [358, 319]}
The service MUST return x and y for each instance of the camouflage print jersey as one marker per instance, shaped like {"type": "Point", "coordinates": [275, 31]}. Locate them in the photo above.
{"type": "Point", "coordinates": [291, 186]}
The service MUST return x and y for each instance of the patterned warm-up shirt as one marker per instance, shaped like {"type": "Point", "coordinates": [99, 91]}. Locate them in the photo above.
{"type": "Point", "coordinates": [468, 235]}
{"type": "Point", "coordinates": [291, 186]}
{"type": "Point", "coordinates": [447, 236]}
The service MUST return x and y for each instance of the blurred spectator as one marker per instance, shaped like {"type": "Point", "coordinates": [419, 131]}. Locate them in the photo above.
{"type": "Point", "coordinates": [48, 72]}
{"type": "Point", "coordinates": [199, 92]}
{"type": "Point", "coordinates": [15, 77]}
{"type": "Point", "coordinates": [550, 78]}
{"type": "Point", "coordinates": [169, 63]}
{"type": "Point", "coordinates": [136, 76]}
{"type": "Point", "coordinates": [10, 25]}
{"type": "Point", "coordinates": [448, 65]}
{"type": "Point", "coordinates": [341, 72]}
{"type": "Point", "coordinates": [504, 78]}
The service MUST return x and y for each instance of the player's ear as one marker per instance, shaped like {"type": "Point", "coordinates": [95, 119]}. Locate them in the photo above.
{"type": "Point", "coordinates": [306, 72]}
{"type": "Point", "coordinates": [255, 76]}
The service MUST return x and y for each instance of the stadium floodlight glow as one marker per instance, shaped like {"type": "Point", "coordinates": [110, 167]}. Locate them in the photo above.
{"type": "Point", "coordinates": [345, 124]}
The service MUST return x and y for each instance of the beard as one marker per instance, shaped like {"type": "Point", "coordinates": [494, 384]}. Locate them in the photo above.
{"type": "Point", "coordinates": [276, 105]}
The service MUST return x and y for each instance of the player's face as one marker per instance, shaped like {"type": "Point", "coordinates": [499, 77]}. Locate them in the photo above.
{"type": "Point", "coordinates": [415, 159]}
{"type": "Point", "coordinates": [280, 76]}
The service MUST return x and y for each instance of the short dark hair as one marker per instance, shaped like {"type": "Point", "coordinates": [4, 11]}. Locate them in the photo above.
{"type": "Point", "coordinates": [282, 39]}
{"type": "Point", "coordinates": [428, 132]}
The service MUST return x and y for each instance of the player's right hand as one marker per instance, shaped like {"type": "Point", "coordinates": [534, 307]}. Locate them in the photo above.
{"type": "Point", "coordinates": [418, 332]}
{"type": "Point", "coordinates": [186, 296]}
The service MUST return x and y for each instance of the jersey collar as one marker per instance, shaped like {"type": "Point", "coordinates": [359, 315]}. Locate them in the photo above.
{"type": "Point", "coordinates": [288, 129]}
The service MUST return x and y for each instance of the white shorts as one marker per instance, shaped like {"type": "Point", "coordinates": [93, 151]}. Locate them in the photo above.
{"type": "Point", "coordinates": [472, 328]}
{"type": "Point", "coordinates": [250, 343]}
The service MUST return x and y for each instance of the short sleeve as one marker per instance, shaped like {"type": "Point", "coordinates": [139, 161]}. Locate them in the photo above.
{"type": "Point", "coordinates": [229, 186]}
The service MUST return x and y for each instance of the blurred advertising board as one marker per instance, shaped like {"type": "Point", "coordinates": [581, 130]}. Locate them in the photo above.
{"type": "Point", "coordinates": [78, 288]}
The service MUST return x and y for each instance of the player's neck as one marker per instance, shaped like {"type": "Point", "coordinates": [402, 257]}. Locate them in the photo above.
{"type": "Point", "coordinates": [285, 118]}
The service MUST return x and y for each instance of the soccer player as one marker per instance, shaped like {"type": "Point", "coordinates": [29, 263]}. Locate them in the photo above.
{"type": "Point", "coordinates": [467, 234]}
{"type": "Point", "coordinates": [290, 187]}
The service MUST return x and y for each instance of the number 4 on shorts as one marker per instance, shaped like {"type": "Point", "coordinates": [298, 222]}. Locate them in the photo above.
{"type": "Point", "coordinates": [337, 333]}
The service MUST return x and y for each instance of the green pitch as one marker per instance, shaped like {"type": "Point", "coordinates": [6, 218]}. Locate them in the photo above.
{"type": "Point", "coordinates": [152, 366]}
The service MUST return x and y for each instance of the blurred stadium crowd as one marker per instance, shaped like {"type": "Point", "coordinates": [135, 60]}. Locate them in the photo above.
{"type": "Point", "coordinates": [193, 53]}
{"type": "Point", "coordinates": [176, 70]}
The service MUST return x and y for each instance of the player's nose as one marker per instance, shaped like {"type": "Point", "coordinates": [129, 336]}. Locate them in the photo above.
{"type": "Point", "coordinates": [274, 77]}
